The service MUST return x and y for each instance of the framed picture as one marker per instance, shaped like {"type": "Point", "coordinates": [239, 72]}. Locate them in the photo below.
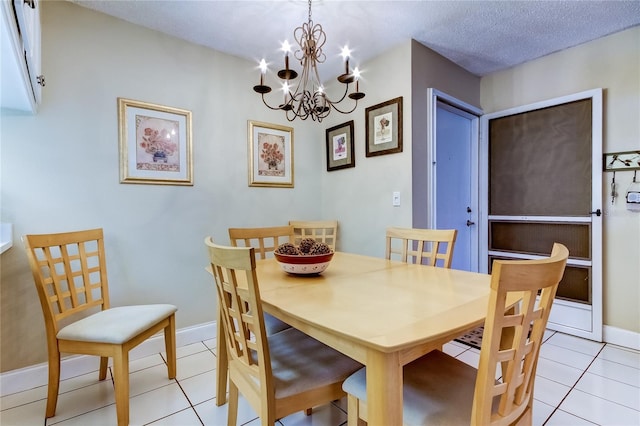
{"type": "Point", "coordinates": [340, 153]}
{"type": "Point", "coordinates": [615, 161]}
{"type": "Point", "coordinates": [270, 155]}
{"type": "Point", "coordinates": [155, 144]}
{"type": "Point", "coordinates": [384, 128]}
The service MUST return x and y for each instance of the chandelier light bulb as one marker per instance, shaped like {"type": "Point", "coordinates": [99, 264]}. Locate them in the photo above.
{"type": "Point", "coordinates": [345, 52]}
{"type": "Point", "coordinates": [263, 66]}
{"type": "Point", "coordinates": [286, 47]}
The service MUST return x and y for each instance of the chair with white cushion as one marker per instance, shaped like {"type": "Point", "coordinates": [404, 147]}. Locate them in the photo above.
{"type": "Point", "coordinates": [441, 390]}
{"type": "Point", "coordinates": [70, 273]}
{"type": "Point", "coordinates": [277, 374]}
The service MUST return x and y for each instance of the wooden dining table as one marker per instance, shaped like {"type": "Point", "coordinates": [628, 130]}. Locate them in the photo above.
{"type": "Point", "coordinates": [382, 313]}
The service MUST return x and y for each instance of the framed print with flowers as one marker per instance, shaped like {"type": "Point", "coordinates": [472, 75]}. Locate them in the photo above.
{"type": "Point", "coordinates": [155, 144]}
{"type": "Point", "coordinates": [340, 153]}
{"type": "Point", "coordinates": [270, 155]}
{"type": "Point", "coordinates": [383, 128]}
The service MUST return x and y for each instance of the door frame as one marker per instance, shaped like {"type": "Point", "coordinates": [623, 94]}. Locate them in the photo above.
{"type": "Point", "coordinates": [434, 96]}
{"type": "Point", "coordinates": [568, 317]}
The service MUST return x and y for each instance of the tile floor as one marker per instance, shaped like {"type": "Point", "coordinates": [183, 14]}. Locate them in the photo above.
{"type": "Point", "coordinates": [579, 382]}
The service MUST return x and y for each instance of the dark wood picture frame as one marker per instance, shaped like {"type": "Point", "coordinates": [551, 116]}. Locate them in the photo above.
{"type": "Point", "coordinates": [384, 128]}
{"type": "Point", "coordinates": [340, 153]}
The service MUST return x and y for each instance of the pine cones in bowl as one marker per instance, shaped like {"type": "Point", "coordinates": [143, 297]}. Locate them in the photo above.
{"type": "Point", "coordinates": [310, 257]}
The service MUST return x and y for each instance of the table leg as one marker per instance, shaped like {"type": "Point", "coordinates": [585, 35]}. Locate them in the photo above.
{"type": "Point", "coordinates": [222, 363]}
{"type": "Point", "coordinates": [384, 389]}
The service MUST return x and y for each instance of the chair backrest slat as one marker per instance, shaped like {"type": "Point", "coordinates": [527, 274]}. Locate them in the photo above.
{"type": "Point", "coordinates": [432, 247]}
{"type": "Point", "coordinates": [325, 231]}
{"type": "Point", "coordinates": [264, 240]}
{"type": "Point", "coordinates": [512, 336]}
{"type": "Point", "coordinates": [69, 270]}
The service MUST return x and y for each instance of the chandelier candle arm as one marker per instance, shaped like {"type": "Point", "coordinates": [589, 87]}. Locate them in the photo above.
{"type": "Point", "coordinates": [309, 98]}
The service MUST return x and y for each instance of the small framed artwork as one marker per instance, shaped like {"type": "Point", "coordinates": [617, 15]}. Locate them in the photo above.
{"type": "Point", "coordinates": [155, 144]}
{"type": "Point", "coordinates": [270, 155]}
{"type": "Point", "coordinates": [383, 124]}
{"type": "Point", "coordinates": [340, 153]}
{"type": "Point", "coordinates": [616, 161]}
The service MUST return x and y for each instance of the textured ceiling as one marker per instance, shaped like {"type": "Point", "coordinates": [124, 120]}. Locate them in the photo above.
{"type": "Point", "coordinates": [480, 36]}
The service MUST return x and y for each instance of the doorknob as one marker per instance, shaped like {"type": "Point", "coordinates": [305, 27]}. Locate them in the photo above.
{"type": "Point", "coordinates": [469, 223]}
{"type": "Point", "coordinates": [597, 212]}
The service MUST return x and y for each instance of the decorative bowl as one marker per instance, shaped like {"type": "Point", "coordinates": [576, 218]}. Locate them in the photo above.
{"type": "Point", "coordinates": [304, 264]}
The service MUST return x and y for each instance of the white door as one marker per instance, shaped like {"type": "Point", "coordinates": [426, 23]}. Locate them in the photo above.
{"type": "Point", "coordinates": [542, 172]}
{"type": "Point", "coordinates": [455, 126]}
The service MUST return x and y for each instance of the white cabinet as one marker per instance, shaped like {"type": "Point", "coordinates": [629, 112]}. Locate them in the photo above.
{"type": "Point", "coordinates": [20, 73]}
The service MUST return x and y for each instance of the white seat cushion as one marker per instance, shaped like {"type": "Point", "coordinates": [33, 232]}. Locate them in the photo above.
{"type": "Point", "coordinates": [116, 325]}
{"type": "Point", "coordinates": [438, 390]}
{"type": "Point", "coordinates": [300, 362]}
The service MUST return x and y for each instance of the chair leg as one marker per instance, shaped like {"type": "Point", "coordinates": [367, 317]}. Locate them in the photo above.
{"type": "Point", "coordinates": [232, 408]}
{"type": "Point", "coordinates": [121, 384]}
{"type": "Point", "coordinates": [170, 346]}
{"type": "Point", "coordinates": [222, 364]}
{"type": "Point", "coordinates": [54, 382]}
{"type": "Point", "coordinates": [352, 410]}
{"type": "Point", "coordinates": [104, 363]}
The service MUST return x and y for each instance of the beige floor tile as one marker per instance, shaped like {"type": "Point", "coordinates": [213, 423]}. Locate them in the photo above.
{"type": "Point", "coordinates": [157, 404]}
{"type": "Point", "coordinates": [197, 363]}
{"type": "Point", "coordinates": [200, 388]}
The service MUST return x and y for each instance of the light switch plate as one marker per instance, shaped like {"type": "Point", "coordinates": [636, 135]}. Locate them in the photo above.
{"type": "Point", "coordinates": [396, 199]}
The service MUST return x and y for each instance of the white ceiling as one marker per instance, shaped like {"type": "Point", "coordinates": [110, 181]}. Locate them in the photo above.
{"type": "Point", "coordinates": [480, 36]}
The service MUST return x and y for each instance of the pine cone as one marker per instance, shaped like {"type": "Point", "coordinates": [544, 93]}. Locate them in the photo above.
{"type": "Point", "coordinates": [287, 248]}
{"type": "Point", "coordinates": [306, 244]}
{"type": "Point", "coordinates": [320, 248]}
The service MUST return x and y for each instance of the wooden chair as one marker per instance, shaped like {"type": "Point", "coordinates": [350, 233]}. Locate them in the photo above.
{"type": "Point", "coordinates": [440, 389]}
{"type": "Point", "coordinates": [423, 245]}
{"type": "Point", "coordinates": [265, 241]}
{"type": "Point", "coordinates": [325, 231]}
{"type": "Point", "coordinates": [278, 374]}
{"type": "Point", "coordinates": [69, 270]}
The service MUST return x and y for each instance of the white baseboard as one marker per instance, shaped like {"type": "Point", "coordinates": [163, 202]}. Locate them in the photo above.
{"type": "Point", "coordinates": [621, 337]}
{"type": "Point", "coordinates": [37, 375]}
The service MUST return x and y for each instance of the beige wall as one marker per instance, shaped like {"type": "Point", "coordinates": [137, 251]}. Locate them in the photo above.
{"type": "Point", "coordinates": [60, 168]}
{"type": "Point", "coordinates": [612, 63]}
{"type": "Point", "coordinates": [360, 197]}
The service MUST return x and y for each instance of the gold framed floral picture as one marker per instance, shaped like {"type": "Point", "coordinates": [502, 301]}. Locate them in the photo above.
{"type": "Point", "coordinates": [155, 144]}
{"type": "Point", "coordinates": [270, 155]}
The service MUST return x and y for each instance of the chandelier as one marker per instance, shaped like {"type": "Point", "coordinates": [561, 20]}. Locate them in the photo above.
{"type": "Point", "coordinates": [309, 98]}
